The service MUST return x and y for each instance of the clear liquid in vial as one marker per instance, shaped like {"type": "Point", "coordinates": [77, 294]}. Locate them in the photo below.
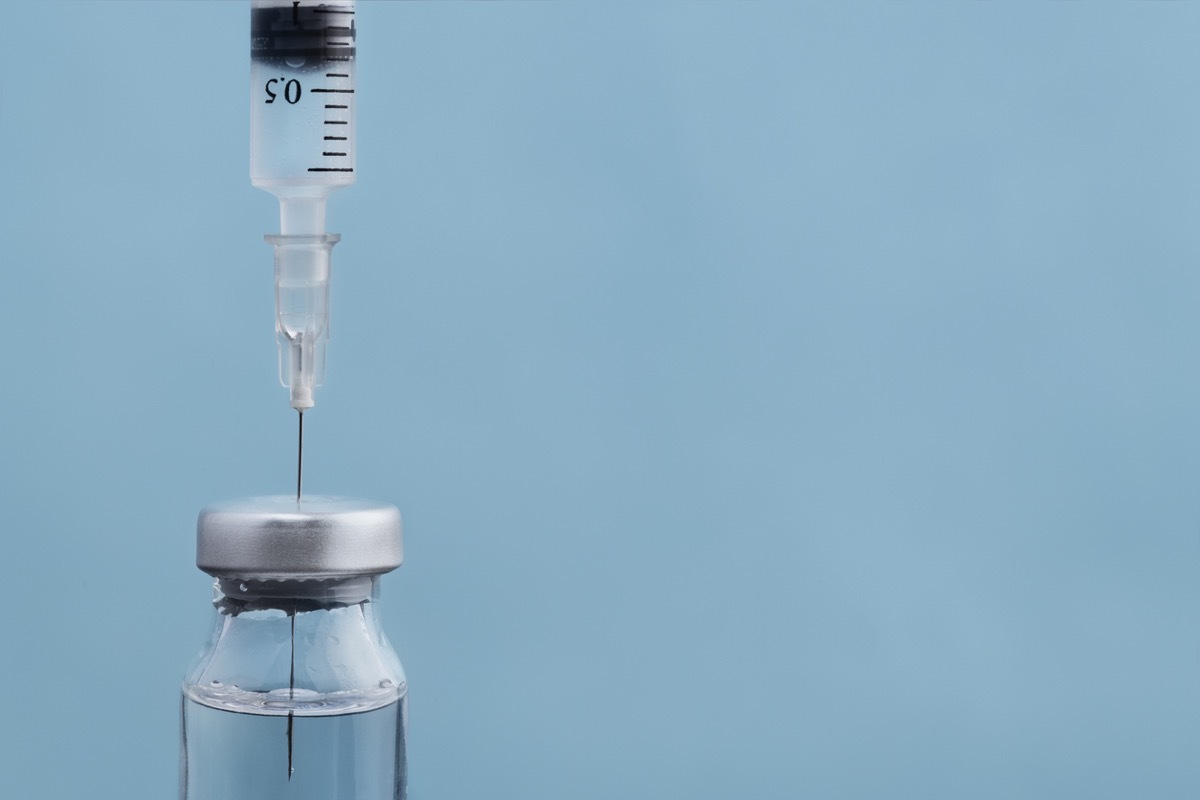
{"type": "Point", "coordinates": [229, 755]}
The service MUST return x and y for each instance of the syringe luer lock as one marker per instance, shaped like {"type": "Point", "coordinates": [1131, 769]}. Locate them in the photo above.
{"type": "Point", "coordinates": [301, 149]}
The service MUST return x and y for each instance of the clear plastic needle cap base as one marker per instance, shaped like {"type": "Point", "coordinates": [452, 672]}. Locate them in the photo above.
{"type": "Point", "coordinates": [302, 311]}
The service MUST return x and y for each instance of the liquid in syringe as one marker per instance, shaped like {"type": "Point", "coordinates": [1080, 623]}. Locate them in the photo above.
{"type": "Point", "coordinates": [302, 62]}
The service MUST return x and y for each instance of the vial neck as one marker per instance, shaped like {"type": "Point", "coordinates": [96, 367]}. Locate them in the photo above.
{"type": "Point", "coordinates": [294, 595]}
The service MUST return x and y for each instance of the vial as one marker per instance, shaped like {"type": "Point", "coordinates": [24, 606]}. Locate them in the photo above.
{"type": "Point", "coordinates": [297, 692]}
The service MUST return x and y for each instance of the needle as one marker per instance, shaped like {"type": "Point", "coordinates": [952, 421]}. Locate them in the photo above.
{"type": "Point", "coordinates": [291, 695]}
{"type": "Point", "coordinates": [300, 459]}
{"type": "Point", "coordinates": [292, 673]}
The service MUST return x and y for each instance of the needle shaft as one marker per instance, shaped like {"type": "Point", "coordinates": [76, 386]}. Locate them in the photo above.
{"type": "Point", "coordinates": [300, 459]}
{"type": "Point", "coordinates": [291, 696]}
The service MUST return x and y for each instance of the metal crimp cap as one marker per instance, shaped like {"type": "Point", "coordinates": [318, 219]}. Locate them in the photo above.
{"type": "Point", "coordinates": [279, 538]}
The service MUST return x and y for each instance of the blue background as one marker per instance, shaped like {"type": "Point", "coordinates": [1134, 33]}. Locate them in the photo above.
{"type": "Point", "coordinates": [783, 401]}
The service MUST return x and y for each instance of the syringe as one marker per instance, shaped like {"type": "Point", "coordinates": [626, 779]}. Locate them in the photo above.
{"type": "Point", "coordinates": [302, 148]}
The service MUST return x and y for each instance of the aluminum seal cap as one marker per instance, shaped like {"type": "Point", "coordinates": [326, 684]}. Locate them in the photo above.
{"type": "Point", "coordinates": [279, 538]}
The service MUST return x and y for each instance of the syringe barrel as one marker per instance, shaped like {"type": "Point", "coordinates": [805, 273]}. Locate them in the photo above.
{"type": "Point", "coordinates": [302, 97]}
{"type": "Point", "coordinates": [302, 312]}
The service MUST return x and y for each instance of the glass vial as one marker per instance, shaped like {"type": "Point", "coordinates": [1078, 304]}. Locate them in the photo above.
{"type": "Point", "coordinates": [297, 693]}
